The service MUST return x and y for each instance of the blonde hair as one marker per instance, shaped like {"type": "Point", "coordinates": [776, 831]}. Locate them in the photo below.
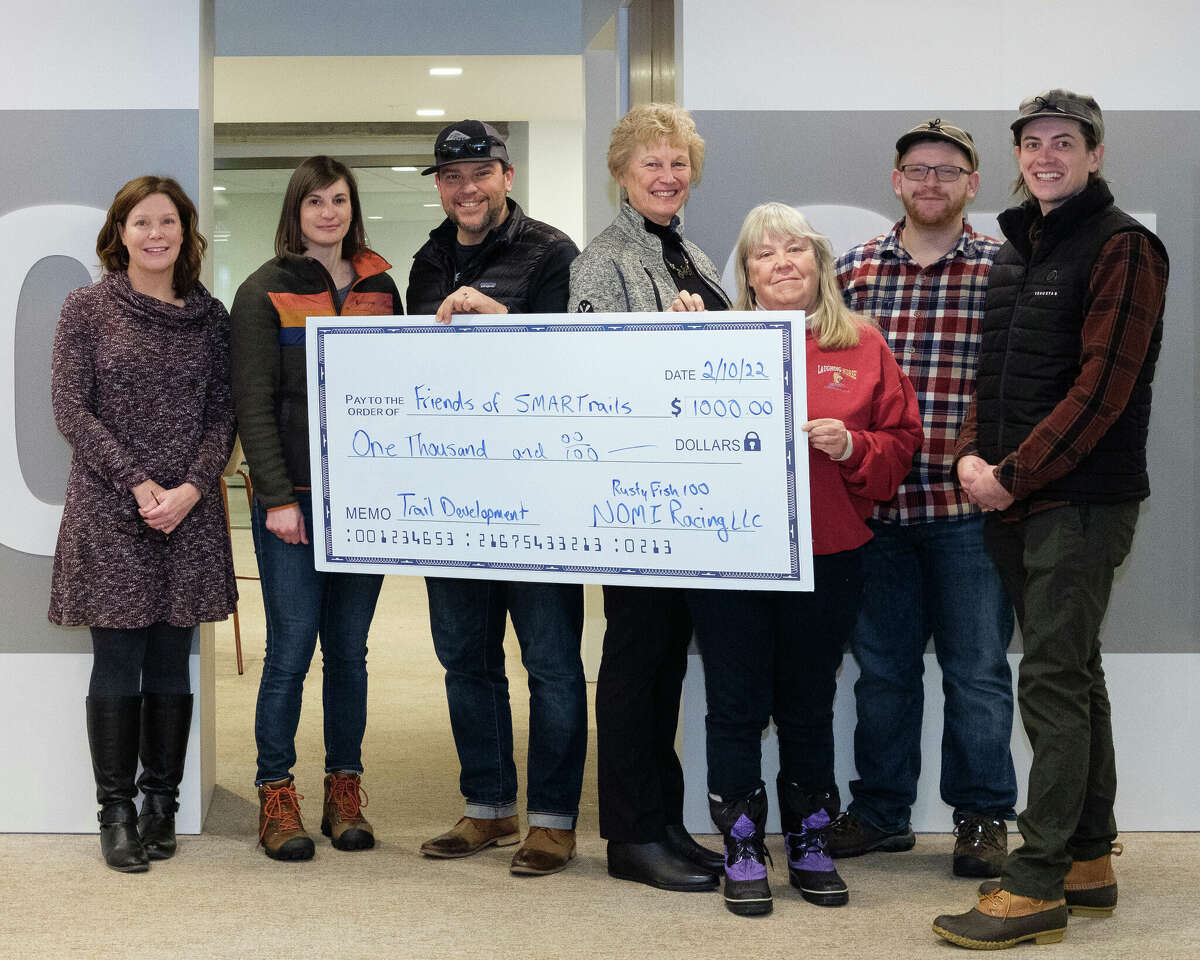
{"type": "Point", "coordinates": [835, 326]}
{"type": "Point", "coordinates": [645, 126]}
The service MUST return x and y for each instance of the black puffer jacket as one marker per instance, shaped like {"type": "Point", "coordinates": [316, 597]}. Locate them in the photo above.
{"type": "Point", "coordinates": [1038, 296]}
{"type": "Point", "coordinates": [515, 263]}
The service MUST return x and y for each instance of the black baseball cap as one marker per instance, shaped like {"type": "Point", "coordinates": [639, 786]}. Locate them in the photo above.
{"type": "Point", "coordinates": [467, 141]}
{"type": "Point", "coordinates": [1060, 103]}
{"type": "Point", "coordinates": [938, 129]}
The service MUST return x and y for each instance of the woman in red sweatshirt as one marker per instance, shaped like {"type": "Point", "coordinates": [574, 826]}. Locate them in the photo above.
{"type": "Point", "coordinates": [773, 653]}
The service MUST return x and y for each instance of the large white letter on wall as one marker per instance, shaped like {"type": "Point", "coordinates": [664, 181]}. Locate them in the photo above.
{"type": "Point", "coordinates": [27, 236]}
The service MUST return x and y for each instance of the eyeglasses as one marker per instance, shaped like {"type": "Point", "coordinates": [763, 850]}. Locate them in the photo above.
{"type": "Point", "coordinates": [946, 172]}
{"type": "Point", "coordinates": [454, 149]}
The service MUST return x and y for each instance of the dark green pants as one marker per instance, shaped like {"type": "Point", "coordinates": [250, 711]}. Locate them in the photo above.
{"type": "Point", "coordinates": [1058, 568]}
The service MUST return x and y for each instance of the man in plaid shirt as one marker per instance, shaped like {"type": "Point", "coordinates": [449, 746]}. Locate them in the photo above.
{"type": "Point", "coordinates": [927, 570]}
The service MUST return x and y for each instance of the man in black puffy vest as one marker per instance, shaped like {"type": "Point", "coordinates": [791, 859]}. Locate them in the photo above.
{"type": "Point", "coordinates": [488, 257]}
{"type": "Point", "coordinates": [1054, 447]}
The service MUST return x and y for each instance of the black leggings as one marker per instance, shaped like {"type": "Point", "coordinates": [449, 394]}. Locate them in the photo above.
{"type": "Point", "coordinates": [151, 659]}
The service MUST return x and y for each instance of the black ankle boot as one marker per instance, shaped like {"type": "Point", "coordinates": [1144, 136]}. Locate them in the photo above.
{"type": "Point", "coordinates": [112, 724]}
{"type": "Point", "coordinates": [684, 844]}
{"type": "Point", "coordinates": [166, 720]}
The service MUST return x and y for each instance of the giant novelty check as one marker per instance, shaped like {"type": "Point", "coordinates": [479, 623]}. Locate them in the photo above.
{"type": "Point", "coordinates": [577, 448]}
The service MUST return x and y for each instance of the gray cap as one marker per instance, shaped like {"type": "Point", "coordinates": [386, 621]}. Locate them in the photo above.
{"type": "Point", "coordinates": [938, 129]}
{"type": "Point", "coordinates": [470, 141]}
{"type": "Point", "coordinates": [1061, 103]}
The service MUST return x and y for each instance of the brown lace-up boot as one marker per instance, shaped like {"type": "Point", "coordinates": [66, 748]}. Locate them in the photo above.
{"type": "Point", "coordinates": [1002, 919]}
{"type": "Point", "coordinates": [342, 820]}
{"type": "Point", "coordinates": [1091, 886]}
{"type": "Point", "coordinates": [280, 829]}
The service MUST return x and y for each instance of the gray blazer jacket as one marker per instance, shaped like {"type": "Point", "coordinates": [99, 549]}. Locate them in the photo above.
{"type": "Point", "coordinates": [622, 270]}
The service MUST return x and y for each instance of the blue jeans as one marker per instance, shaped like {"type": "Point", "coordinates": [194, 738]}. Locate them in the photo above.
{"type": "Point", "coordinates": [467, 618]}
{"type": "Point", "coordinates": [932, 578]}
{"type": "Point", "coordinates": [303, 604]}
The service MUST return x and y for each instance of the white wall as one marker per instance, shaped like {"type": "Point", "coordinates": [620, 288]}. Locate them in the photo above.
{"type": "Point", "coordinates": [555, 175]}
{"type": "Point", "coordinates": [64, 55]}
{"type": "Point", "coordinates": [970, 55]}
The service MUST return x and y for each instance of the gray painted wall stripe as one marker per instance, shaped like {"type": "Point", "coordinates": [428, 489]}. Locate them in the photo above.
{"type": "Point", "coordinates": [80, 157]}
{"type": "Point", "coordinates": [816, 157]}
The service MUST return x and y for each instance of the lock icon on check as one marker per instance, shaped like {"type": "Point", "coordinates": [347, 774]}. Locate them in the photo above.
{"type": "Point", "coordinates": [752, 444]}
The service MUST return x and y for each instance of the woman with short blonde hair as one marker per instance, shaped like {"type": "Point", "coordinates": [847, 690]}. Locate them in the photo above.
{"type": "Point", "coordinates": [641, 262]}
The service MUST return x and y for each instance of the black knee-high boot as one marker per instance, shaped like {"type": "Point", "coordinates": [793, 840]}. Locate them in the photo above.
{"type": "Point", "coordinates": [166, 720]}
{"type": "Point", "coordinates": [112, 724]}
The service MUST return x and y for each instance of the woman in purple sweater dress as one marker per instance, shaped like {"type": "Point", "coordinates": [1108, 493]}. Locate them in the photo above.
{"type": "Point", "coordinates": [141, 392]}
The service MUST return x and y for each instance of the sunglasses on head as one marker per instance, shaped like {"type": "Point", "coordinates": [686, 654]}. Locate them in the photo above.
{"type": "Point", "coordinates": [457, 149]}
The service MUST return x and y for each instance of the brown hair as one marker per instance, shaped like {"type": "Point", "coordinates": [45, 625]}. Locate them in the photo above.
{"type": "Point", "coordinates": [111, 250]}
{"type": "Point", "coordinates": [1090, 141]}
{"type": "Point", "coordinates": [317, 173]}
{"type": "Point", "coordinates": [645, 126]}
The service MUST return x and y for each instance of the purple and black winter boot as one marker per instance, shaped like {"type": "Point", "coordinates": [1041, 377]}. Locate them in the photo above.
{"type": "Point", "coordinates": [804, 816]}
{"type": "Point", "coordinates": [743, 823]}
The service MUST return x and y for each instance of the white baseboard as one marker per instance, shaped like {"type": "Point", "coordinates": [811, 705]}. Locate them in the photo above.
{"type": "Point", "coordinates": [47, 784]}
{"type": "Point", "coordinates": [1155, 726]}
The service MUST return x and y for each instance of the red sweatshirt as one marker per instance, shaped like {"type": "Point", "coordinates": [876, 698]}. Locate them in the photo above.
{"type": "Point", "coordinates": [864, 388]}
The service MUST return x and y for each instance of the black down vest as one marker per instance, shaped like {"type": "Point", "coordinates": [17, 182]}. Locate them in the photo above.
{"type": "Point", "coordinates": [1031, 354]}
{"type": "Point", "coordinates": [511, 256]}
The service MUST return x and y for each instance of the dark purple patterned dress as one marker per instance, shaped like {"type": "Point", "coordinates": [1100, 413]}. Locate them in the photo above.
{"type": "Point", "coordinates": [141, 391]}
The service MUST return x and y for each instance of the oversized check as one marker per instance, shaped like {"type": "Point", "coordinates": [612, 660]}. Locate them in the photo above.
{"type": "Point", "coordinates": [579, 448]}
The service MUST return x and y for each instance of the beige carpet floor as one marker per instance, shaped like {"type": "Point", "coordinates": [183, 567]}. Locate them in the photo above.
{"type": "Point", "coordinates": [220, 897]}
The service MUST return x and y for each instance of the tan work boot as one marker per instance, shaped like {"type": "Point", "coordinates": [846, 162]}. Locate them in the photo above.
{"type": "Point", "coordinates": [341, 818]}
{"type": "Point", "coordinates": [1091, 886]}
{"type": "Point", "coordinates": [470, 835]}
{"type": "Point", "coordinates": [545, 850]}
{"type": "Point", "coordinates": [1002, 919]}
{"type": "Point", "coordinates": [280, 829]}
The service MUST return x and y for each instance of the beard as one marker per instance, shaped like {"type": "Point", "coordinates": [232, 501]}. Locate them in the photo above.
{"type": "Point", "coordinates": [493, 215]}
{"type": "Point", "coordinates": [950, 213]}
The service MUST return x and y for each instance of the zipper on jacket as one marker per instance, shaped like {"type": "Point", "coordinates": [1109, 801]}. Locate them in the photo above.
{"type": "Point", "coordinates": [331, 289]}
{"type": "Point", "coordinates": [654, 287]}
{"type": "Point", "coordinates": [1007, 352]}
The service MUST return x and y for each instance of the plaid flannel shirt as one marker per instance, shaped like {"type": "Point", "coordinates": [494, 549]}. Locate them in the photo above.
{"type": "Point", "coordinates": [932, 318]}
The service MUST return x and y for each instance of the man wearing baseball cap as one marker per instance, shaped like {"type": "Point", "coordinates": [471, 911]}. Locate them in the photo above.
{"type": "Point", "coordinates": [927, 566]}
{"type": "Point", "coordinates": [1055, 446]}
{"type": "Point", "coordinates": [489, 257]}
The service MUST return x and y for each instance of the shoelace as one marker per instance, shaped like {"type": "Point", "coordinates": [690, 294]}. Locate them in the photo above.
{"type": "Point", "coordinates": [985, 830]}
{"type": "Point", "coordinates": [995, 903]}
{"type": "Point", "coordinates": [348, 795]}
{"type": "Point", "coordinates": [282, 804]}
{"type": "Point", "coordinates": [748, 848]}
{"type": "Point", "coordinates": [841, 824]}
{"type": "Point", "coordinates": [800, 845]}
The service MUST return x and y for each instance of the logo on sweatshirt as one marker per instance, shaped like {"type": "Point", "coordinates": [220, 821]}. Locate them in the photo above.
{"type": "Point", "coordinates": [837, 376]}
